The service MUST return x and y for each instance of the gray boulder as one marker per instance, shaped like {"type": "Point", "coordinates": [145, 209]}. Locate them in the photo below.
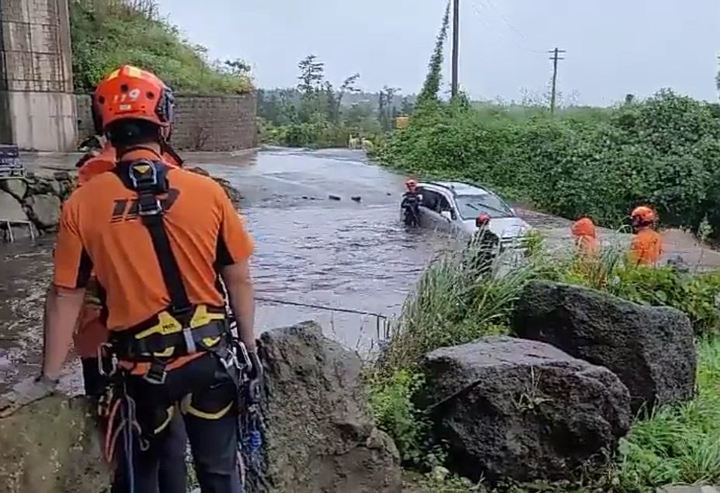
{"type": "Point", "coordinates": [44, 210]}
{"type": "Point", "coordinates": [52, 446]}
{"type": "Point", "coordinates": [651, 349]}
{"type": "Point", "coordinates": [39, 185]}
{"type": "Point", "coordinates": [16, 187]}
{"type": "Point", "coordinates": [320, 437]}
{"type": "Point", "coordinates": [523, 410]}
{"type": "Point", "coordinates": [10, 209]}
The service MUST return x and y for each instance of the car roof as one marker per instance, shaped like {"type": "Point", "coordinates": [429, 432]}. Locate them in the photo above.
{"type": "Point", "coordinates": [458, 188]}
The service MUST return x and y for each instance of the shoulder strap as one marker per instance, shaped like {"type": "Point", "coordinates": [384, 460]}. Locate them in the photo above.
{"type": "Point", "coordinates": [149, 179]}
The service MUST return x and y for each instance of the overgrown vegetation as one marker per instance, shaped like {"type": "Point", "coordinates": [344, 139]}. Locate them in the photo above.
{"type": "Point", "coordinates": [109, 33]}
{"type": "Point", "coordinates": [317, 114]}
{"type": "Point", "coordinates": [662, 151]}
{"type": "Point", "coordinates": [453, 305]}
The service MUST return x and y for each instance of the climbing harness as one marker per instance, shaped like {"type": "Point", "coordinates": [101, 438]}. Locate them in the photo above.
{"type": "Point", "coordinates": [181, 329]}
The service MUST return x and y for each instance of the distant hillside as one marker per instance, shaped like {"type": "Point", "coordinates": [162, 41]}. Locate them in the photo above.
{"type": "Point", "coordinates": [108, 33]}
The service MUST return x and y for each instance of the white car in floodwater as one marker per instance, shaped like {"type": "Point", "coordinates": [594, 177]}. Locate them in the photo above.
{"type": "Point", "coordinates": [454, 207]}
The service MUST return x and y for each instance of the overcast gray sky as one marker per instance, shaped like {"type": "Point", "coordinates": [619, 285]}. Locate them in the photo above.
{"type": "Point", "coordinates": [613, 47]}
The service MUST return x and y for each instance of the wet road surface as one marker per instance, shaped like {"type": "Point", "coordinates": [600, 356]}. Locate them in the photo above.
{"type": "Point", "coordinates": [311, 249]}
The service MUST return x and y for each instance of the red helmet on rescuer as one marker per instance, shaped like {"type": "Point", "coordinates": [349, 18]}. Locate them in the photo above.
{"type": "Point", "coordinates": [133, 93]}
{"type": "Point", "coordinates": [482, 220]}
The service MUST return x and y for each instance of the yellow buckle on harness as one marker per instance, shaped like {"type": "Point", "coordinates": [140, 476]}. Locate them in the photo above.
{"type": "Point", "coordinates": [167, 324]}
{"type": "Point", "coordinates": [202, 317]}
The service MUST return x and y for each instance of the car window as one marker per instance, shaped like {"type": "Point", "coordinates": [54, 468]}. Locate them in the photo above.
{"type": "Point", "coordinates": [469, 206]}
{"type": "Point", "coordinates": [434, 200]}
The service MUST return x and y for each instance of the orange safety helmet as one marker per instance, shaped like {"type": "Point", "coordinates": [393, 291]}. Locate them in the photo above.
{"type": "Point", "coordinates": [643, 216]}
{"type": "Point", "coordinates": [133, 93]}
{"type": "Point", "coordinates": [583, 227]}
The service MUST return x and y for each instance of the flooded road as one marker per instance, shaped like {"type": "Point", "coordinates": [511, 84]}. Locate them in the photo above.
{"type": "Point", "coordinates": [315, 250]}
{"type": "Point", "coordinates": [315, 246]}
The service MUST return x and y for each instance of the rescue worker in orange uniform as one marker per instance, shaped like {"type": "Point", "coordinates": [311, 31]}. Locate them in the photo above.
{"type": "Point", "coordinates": [585, 234]}
{"type": "Point", "coordinates": [410, 205]}
{"type": "Point", "coordinates": [646, 247]}
{"type": "Point", "coordinates": [158, 239]}
{"type": "Point", "coordinates": [91, 333]}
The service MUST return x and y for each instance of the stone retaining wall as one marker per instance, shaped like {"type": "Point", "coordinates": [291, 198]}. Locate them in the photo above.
{"type": "Point", "coordinates": [32, 200]}
{"type": "Point", "coordinates": [36, 200]}
{"type": "Point", "coordinates": [203, 123]}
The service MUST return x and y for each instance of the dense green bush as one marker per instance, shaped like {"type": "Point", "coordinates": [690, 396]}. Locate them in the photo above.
{"type": "Point", "coordinates": [663, 151]}
{"type": "Point", "coordinates": [109, 33]}
{"type": "Point", "coordinates": [394, 411]}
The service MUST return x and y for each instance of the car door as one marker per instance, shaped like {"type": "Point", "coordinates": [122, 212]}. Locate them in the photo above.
{"type": "Point", "coordinates": [432, 205]}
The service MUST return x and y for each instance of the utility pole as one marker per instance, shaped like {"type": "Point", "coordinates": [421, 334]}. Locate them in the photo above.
{"type": "Point", "coordinates": [555, 58]}
{"type": "Point", "coordinates": [455, 47]}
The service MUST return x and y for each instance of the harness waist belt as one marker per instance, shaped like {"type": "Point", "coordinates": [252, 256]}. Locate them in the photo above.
{"type": "Point", "coordinates": [168, 337]}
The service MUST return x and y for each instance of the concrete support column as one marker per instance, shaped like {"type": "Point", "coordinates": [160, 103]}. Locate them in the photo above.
{"type": "Point", "coordinates": [37, 106]}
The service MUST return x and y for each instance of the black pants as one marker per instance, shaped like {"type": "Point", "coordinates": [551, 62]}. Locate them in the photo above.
{"type": "Point", "coordinates": [208, 398]}
{"type": "Point", "coordinates": [171, 474]}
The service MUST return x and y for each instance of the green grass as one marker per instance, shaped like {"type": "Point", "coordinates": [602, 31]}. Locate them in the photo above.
{"type": "Point", "coordinates": [109, 33]}
{"type": "Point", "coordinates": [453, 304]}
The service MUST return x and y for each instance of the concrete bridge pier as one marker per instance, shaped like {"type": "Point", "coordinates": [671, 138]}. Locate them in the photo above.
{"type": "Point", "coordinates": [37, 105]}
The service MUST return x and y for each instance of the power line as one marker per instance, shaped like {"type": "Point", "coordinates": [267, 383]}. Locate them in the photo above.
{"type": "Point", "coordinates": [555, 58]}
{"type": "Point", "coordinates": [520, 37]}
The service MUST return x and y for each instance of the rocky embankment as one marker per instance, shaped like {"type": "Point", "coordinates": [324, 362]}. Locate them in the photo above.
{"type": "Point", "coordinates": [550, 406]}
{"type": "Point", "coordinates": [553, 403]}
{"type": "Point", "coordinates": [35, 200]}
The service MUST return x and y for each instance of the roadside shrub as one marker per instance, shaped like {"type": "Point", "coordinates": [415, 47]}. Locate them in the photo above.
{"type": "Point", "coordinates": [315, 135]}
{"type": "Point", "coordinates": [454, 304]}
{"type": "Point", "coordinates": [391, 401]}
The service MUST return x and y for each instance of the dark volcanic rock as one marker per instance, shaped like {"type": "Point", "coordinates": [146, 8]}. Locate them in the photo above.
{"type": "Point", "coordinates": [524, 410]}
{"type": "Point", "coordinates": [651, 349]}
{"type": "Point", "coordinates": [52, 446]}
{"type": "Point", "coordinates": [320, 437]}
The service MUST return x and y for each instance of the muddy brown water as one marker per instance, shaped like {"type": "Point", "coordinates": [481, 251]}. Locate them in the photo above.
{"type": "Point", "coordinates": [310, 249]}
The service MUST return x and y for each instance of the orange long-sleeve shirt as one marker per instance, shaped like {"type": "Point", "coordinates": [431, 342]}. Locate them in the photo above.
{"type": "Point", "coordinates": [646, 247]}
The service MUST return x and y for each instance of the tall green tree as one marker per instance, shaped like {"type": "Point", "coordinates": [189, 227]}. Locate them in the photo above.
{"type": "Point", "coordinates": [431, 87]}
{"type": "Point", "coordinates": [312, 75]}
